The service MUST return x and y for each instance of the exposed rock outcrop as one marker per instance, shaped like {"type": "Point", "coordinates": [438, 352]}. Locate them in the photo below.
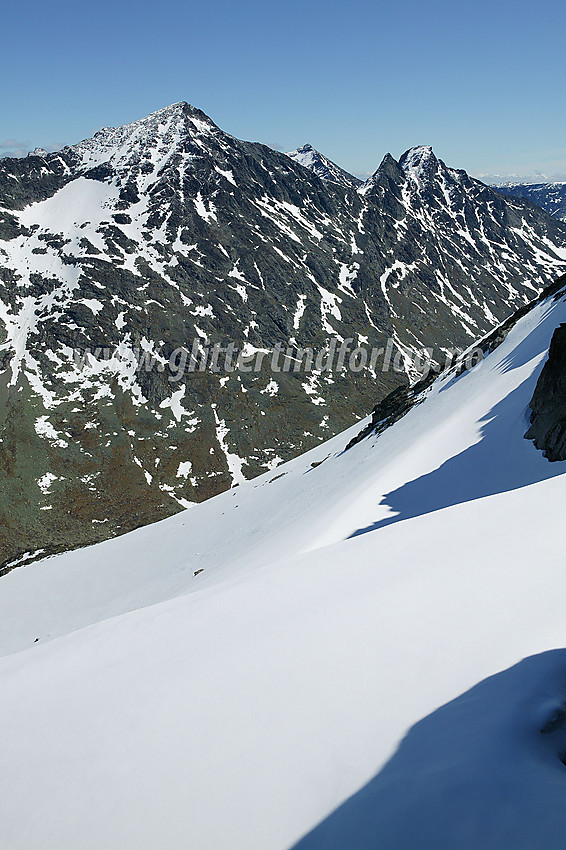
{"type": "Point", "coordinates": [548, 419]}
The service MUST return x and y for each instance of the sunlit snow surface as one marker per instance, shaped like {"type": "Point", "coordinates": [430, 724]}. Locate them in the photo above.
{"type": "Point", "coordinates": [338, 605]}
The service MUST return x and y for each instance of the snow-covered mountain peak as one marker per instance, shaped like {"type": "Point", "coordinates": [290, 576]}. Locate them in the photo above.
{"type": "Point", "coordinates": [323, 167]}
{"type": "Point", "coordinates": [306, 155]}
{"type": "Point", "coordinates": [152, 137]}
{"type": "Point", "coordinates": [419, 163]}
{"type": "Point", "coordinates": [306, 149]}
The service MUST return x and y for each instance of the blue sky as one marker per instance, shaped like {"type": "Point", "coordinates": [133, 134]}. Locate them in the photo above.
{"type": "Point", "coordinates": [483, 82]}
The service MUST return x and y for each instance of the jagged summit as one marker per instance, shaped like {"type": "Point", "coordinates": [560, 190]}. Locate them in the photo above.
{"type": "Point", "coordinates": [388, 166]}
{"type": "Point", "coordinates": [418, 154]}
{"type": "Point", "coordinates": [323, 167]}
{"type": "Point", "coordinates": [175, 112]}
{"type": "Point", "coordinates": [419, 163]}
{"type": "Point", "coordinates": [306, 148]}
{"type": "Point", "coordinates": [419, 169]}
{"type": "Point", "coordinates": [154, 123]}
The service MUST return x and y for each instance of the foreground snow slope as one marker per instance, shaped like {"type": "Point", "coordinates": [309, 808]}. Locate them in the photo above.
{"type": "Point", "coordinates": [339, 605]}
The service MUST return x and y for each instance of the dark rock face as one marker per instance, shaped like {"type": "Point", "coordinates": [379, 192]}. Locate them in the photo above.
{"type": "Point", "coordinates": [386, 412]}
{"type": "Point", "coordinates": [548, 419]}
{"type": "Point", "coordinates": [169, 233]}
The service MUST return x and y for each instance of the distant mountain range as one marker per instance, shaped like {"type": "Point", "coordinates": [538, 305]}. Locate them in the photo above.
{"type": "Point", "coordinates": [170, 235]}
{"type": "Point", "coordinates": [550, 196]}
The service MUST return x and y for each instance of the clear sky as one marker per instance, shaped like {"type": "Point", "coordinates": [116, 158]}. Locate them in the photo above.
{"type": "Point", "coordinates": [483, 82]}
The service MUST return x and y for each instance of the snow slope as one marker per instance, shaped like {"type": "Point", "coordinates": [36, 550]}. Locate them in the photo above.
{"type": "Point", "coordinates": [339, 605]}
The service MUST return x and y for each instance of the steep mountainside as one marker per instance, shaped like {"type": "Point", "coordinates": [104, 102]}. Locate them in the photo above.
{"type": "Point", "coordinates": [550, 196]}
{"type": "Point", "coordinates": [149, 241]}
{"type": "Point", "coordinates": [228, 677]}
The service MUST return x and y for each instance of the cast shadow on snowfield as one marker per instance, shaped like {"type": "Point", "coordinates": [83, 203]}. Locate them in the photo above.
{"type": "Point", "coordinates": [484, 771]}
{"type": "Point", "coordinates": [501, 461]}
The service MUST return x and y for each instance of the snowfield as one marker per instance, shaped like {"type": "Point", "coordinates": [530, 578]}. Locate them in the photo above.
{"type": "Point", "coordinates": [227, 678]}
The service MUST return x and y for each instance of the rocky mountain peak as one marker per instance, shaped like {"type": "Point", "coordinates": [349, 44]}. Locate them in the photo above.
{"type": "Point", "coordinates": [389, 167]}
{"type": "Point", "coordinates": [323, 167]}
{"type": "Point", "coordinates": [154, 137]}
{"type": "Point", "coordinates": [307, 155]}
{"type": "Point", "coordinates": [419, 163]}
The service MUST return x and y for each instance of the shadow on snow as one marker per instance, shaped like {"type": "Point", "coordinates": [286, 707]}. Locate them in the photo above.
{"type": "Point", "coordinates": [501, 461]}
{"type": "Point", "coordinates": [484, 771]}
